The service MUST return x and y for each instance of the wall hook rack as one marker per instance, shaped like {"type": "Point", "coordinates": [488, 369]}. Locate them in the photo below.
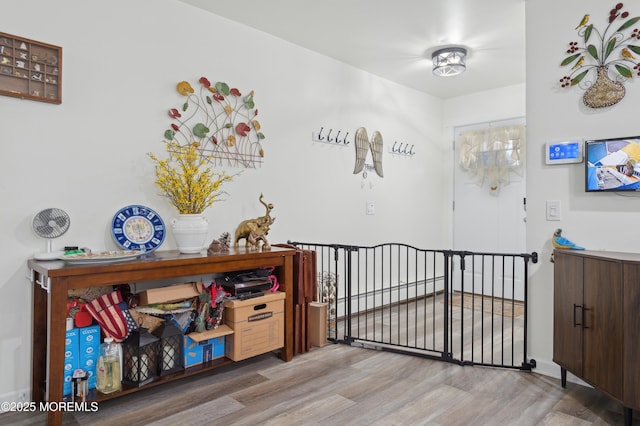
{"type": "Point", "coordinates": [401, 148]}
{"type": "Point", "coordinates": [331, 136]}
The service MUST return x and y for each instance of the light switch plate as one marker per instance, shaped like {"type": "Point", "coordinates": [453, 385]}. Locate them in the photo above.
{"type": "Point", "coordinates": [554, 210]}
{"type": "Point", "coordinates": [371, 207]}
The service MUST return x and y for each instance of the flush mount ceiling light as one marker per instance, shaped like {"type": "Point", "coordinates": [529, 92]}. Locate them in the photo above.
{"type": "Point", "coordinates": [449, 61]}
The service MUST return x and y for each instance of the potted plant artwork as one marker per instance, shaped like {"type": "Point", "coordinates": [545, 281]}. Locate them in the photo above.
{"type": "Point", "coordinates": [601, 62]}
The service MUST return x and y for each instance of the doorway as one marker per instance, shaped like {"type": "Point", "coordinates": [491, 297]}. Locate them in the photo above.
{"type": "Point", "coordinates": [488, 217]}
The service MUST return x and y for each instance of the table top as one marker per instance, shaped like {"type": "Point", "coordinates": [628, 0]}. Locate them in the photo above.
{"type": "Point", "coordinates": [159, 259]}
{"type": "Point", "coordinates": [602, 254]}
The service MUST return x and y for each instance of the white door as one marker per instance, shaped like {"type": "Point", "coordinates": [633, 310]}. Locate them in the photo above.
{"type": "Point", "coordinates": [489, 221]}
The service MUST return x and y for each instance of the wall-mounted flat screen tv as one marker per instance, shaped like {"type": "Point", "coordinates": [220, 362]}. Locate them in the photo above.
{"type": "Point", "coordinates": [612, 164]}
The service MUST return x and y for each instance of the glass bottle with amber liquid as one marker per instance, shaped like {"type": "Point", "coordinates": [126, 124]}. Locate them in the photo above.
{"type": "Point", "coordinates": [108, 367]}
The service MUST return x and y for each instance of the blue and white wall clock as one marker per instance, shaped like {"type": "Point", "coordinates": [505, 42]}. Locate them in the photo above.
{"type": "Point", "coordinates": [138, 227]}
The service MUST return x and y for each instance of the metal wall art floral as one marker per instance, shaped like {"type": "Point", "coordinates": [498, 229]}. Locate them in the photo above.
{"type": "Point", "coordinates": [601, 62]}
{"type": "Point", "coordinates": [221, 121]}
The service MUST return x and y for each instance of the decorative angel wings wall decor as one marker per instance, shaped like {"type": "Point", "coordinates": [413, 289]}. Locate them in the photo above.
{"type": "Point", "coordinates": [362, 147]}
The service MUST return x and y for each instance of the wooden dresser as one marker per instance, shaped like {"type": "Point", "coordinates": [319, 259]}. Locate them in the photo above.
{"type": "Point", "coordinates": [596, 329]}
{"type": "Point", "coordinates": [53, 279]}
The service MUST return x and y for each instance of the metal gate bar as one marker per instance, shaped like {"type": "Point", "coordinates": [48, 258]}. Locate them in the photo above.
{"type": "Point", "coordinates": [458, 306]}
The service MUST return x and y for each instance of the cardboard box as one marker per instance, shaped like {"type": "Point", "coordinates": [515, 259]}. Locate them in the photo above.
{"type": "Point", "coordinates": [258, 325]}
{"type": "Point", "coordinates": [169, 294]}
{"type": "Point", "coordinates": [89, 340]}
{"type": "Point", "coordinates": [318, 323]}
{"type": "Point", "coordinates": [89, 352]}
{"type": "Point", "coordinates": [71, 349]}
{"type": "Point", "coordinates": [206, 346]}
{"type": "Point", "coordinates": [81, 350]}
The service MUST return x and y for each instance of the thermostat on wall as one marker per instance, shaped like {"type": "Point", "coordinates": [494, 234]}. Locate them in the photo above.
{"type": "Point", "coordinates": [563, 152]}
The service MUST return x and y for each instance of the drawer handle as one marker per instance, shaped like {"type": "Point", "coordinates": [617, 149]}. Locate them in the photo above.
{"type": "Point", "coordinates": [260, 306]}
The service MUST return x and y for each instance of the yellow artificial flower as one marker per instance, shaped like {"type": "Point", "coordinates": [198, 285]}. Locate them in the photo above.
{"type": "Point", "coordinates": [187, 179]}
{"type": "Point", "coordinates": [228, 109]}
{"type": "Point", "coordinates": [231, 141]}
{"type": "Point", "coordinates": [256, 125]}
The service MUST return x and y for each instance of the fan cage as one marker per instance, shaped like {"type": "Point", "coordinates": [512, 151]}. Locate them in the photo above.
{"type": "Point", "coordinates": [51, 223]}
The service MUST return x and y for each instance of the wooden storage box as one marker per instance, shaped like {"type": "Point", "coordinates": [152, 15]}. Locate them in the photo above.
{"type": "Point", "coordinates": [205, 346]}
{"type": "Point", "coordinates": [169, 294]}
{"type": "Point", "coordinates": [258, 325]}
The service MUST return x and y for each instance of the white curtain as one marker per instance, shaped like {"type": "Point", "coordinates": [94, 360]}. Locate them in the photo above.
{"type": "Point", "coordinates": [491, 155]}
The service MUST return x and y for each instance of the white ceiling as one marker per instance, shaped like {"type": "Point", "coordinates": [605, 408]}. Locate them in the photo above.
{"type": "Point", "coordinates": [394, 39]}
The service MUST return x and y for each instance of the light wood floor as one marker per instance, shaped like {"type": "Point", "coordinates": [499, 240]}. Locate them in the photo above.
{"type": "Point", "coordinates": [477, 336]}
{"type": "Point", "coordinates": [342, 385]}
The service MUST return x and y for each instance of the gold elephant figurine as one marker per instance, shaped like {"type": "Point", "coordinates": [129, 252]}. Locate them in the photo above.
{"type": "Point", "coordinates": [254, 231]}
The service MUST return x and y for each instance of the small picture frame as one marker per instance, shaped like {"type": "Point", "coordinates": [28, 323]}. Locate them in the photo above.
{"type": "Point", "coordinates": [30, 69]}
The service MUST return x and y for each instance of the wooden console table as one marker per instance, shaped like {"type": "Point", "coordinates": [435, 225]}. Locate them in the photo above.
{"type": "Point", "coordinates": [53, 279]}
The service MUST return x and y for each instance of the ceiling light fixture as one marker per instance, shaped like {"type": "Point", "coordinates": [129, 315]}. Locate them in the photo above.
{"type": "Point", "coordinates": [449, 61]}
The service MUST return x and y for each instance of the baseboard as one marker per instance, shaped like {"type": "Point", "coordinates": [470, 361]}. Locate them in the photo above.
{"type": "Point", "coordinates": [21, 395]}
{"type": "Point", "coordinates": [551, 369]}
{"type": "Point", "coordinates": [547, 368]}
{"type": "Point", "coordinates": [400, 293]}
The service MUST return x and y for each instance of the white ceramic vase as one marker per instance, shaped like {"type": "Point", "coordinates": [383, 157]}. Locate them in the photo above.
{"type": "Point", "coordinates": [190, 232]}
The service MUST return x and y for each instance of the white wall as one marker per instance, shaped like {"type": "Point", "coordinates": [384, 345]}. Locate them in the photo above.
{"type": "Point", "coordinates": [120, 67]}
{"type": "Point", "coordinates": [482, 107]}
{"type": "Point", "coordinates": [596, 221]}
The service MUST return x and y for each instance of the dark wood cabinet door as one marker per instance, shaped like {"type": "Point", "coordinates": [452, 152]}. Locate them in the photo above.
{"type": "Point", "coordinates": [567, 312]}
{"type": "Point", "coordinates": [631, 300]}
{"type": "Point", "coordinates": [602, 356]}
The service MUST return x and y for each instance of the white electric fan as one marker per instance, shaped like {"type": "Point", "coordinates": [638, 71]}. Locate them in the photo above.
{"type": "Point", "coordinates": [49, 224]}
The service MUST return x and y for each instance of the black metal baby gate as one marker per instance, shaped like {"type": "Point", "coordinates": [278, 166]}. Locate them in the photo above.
{"type": "Point", "coordinates": [457, 306]}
